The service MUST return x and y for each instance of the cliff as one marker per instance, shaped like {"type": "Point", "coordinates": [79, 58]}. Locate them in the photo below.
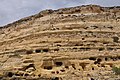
{"type": "Point", "coordinates": [77, 43]}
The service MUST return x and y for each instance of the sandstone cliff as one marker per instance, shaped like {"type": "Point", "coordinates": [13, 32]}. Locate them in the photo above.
{"type": "Point", "coordinates": [77, 43]}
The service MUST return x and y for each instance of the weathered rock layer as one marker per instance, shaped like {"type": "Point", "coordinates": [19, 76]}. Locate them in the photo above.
{"type": "Point", "coordinates": [78, 43]}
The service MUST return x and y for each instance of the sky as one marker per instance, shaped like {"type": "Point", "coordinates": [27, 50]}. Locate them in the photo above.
{"type": "Point", "coordinates": [12, 10]}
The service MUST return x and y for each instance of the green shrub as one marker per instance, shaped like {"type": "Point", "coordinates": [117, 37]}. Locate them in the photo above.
{"type": "Point", "coordinates": [116, 70]}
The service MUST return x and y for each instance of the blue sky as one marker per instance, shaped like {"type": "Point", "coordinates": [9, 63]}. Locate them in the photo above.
{"type": "Point", "coordinates": [12, 10]}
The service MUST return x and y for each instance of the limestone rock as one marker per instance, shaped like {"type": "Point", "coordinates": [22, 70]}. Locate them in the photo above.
{"type": "Point", "coordinates": [77, 43]}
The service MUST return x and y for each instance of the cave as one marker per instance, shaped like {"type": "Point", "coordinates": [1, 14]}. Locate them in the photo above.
{"type": "Point", "coordinates": [106, 59]}
{"type": "Point", "coordinates": [110, 49]}
{"type": "Point", "coordinates": [59, 45]}
{"type": "Point", "coordinates": [76, 45]}
{"type": "Point", "coordinates": [26, 74]}
{"type": "Point", "coordinates": [45, 50]}
{"type": "Point", "coordinates": [110, 27]}
{"type": "Point", "coordinates": [92, 79]}
{"type": "Point", "coordinates": [83, 38]}
{"type": "Point", "coordinates": [94, 27]}
{"type": "Point", "coordinates": [101, 49]}
{"type": "Point", "coordinates": [48, 67]}
{"type": "Point", "coordinates": [56, 49]}
{"type": "Point", "coordinates": [30, 65]}
{"type": "Point", "coordinates": [98, 61]}
{"type": "Point", "coordinates": [62, 70]}
{"type": "Point", "coordinates": [29, 52]}
{"type": "Point", "coordinates": [57, 72]}
{"type": "Point", "coordinates": [118, 57]}
{"type": "Point", "coordinates": [114, 58]}
{"type": "Point", "coordinates": [67, 67]}
{"type": "Point", "coordinates": [115, 39]}
{"type": "Point", "coordinates": [82, 48]}
{"type": "Point", "coordinates": [58, 64]}
{"type": "Point", "coordinates": [92, 58]}
{"type": "Point", "coordinates": [74, 48]}
{"type": "Point", "coordinates": [17, 75]}
{"type": "Point", "coordinates": [55, 78]}
{"type": "Point", "coordinates": [87, 48]}
{"type": "Point", "coordinates": [9, 74]}
{"type": "Point", "coordinates": [53, 72]}
{"type": "Point", "coordinates": [80, 44]}
{"type": "Point", "coordinates": [92, 68]}
{"type": "Point", "coordinates": [38, 50]}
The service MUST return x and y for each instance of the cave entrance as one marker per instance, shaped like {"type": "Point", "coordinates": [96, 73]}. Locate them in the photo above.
{"type": "Point", "coordinates": [58, 64]}
{"type": "Point", "coordinates": [38, 50]}
{"type": "Point", "coordinates": [48, 67]}
{"type": "Point", "coordinates": [45, 50]}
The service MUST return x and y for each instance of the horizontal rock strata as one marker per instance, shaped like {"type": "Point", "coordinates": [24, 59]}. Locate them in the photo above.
{"type": "Point", "coordinates": [78, 43]}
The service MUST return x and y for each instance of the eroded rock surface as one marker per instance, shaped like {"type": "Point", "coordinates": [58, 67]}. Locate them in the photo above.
{"type": "Point", "coordinates": [78, 43]}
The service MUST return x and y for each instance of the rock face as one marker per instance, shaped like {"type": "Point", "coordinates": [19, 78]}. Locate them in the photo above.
{"type": "Point", "coordinates": [78, 43]}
